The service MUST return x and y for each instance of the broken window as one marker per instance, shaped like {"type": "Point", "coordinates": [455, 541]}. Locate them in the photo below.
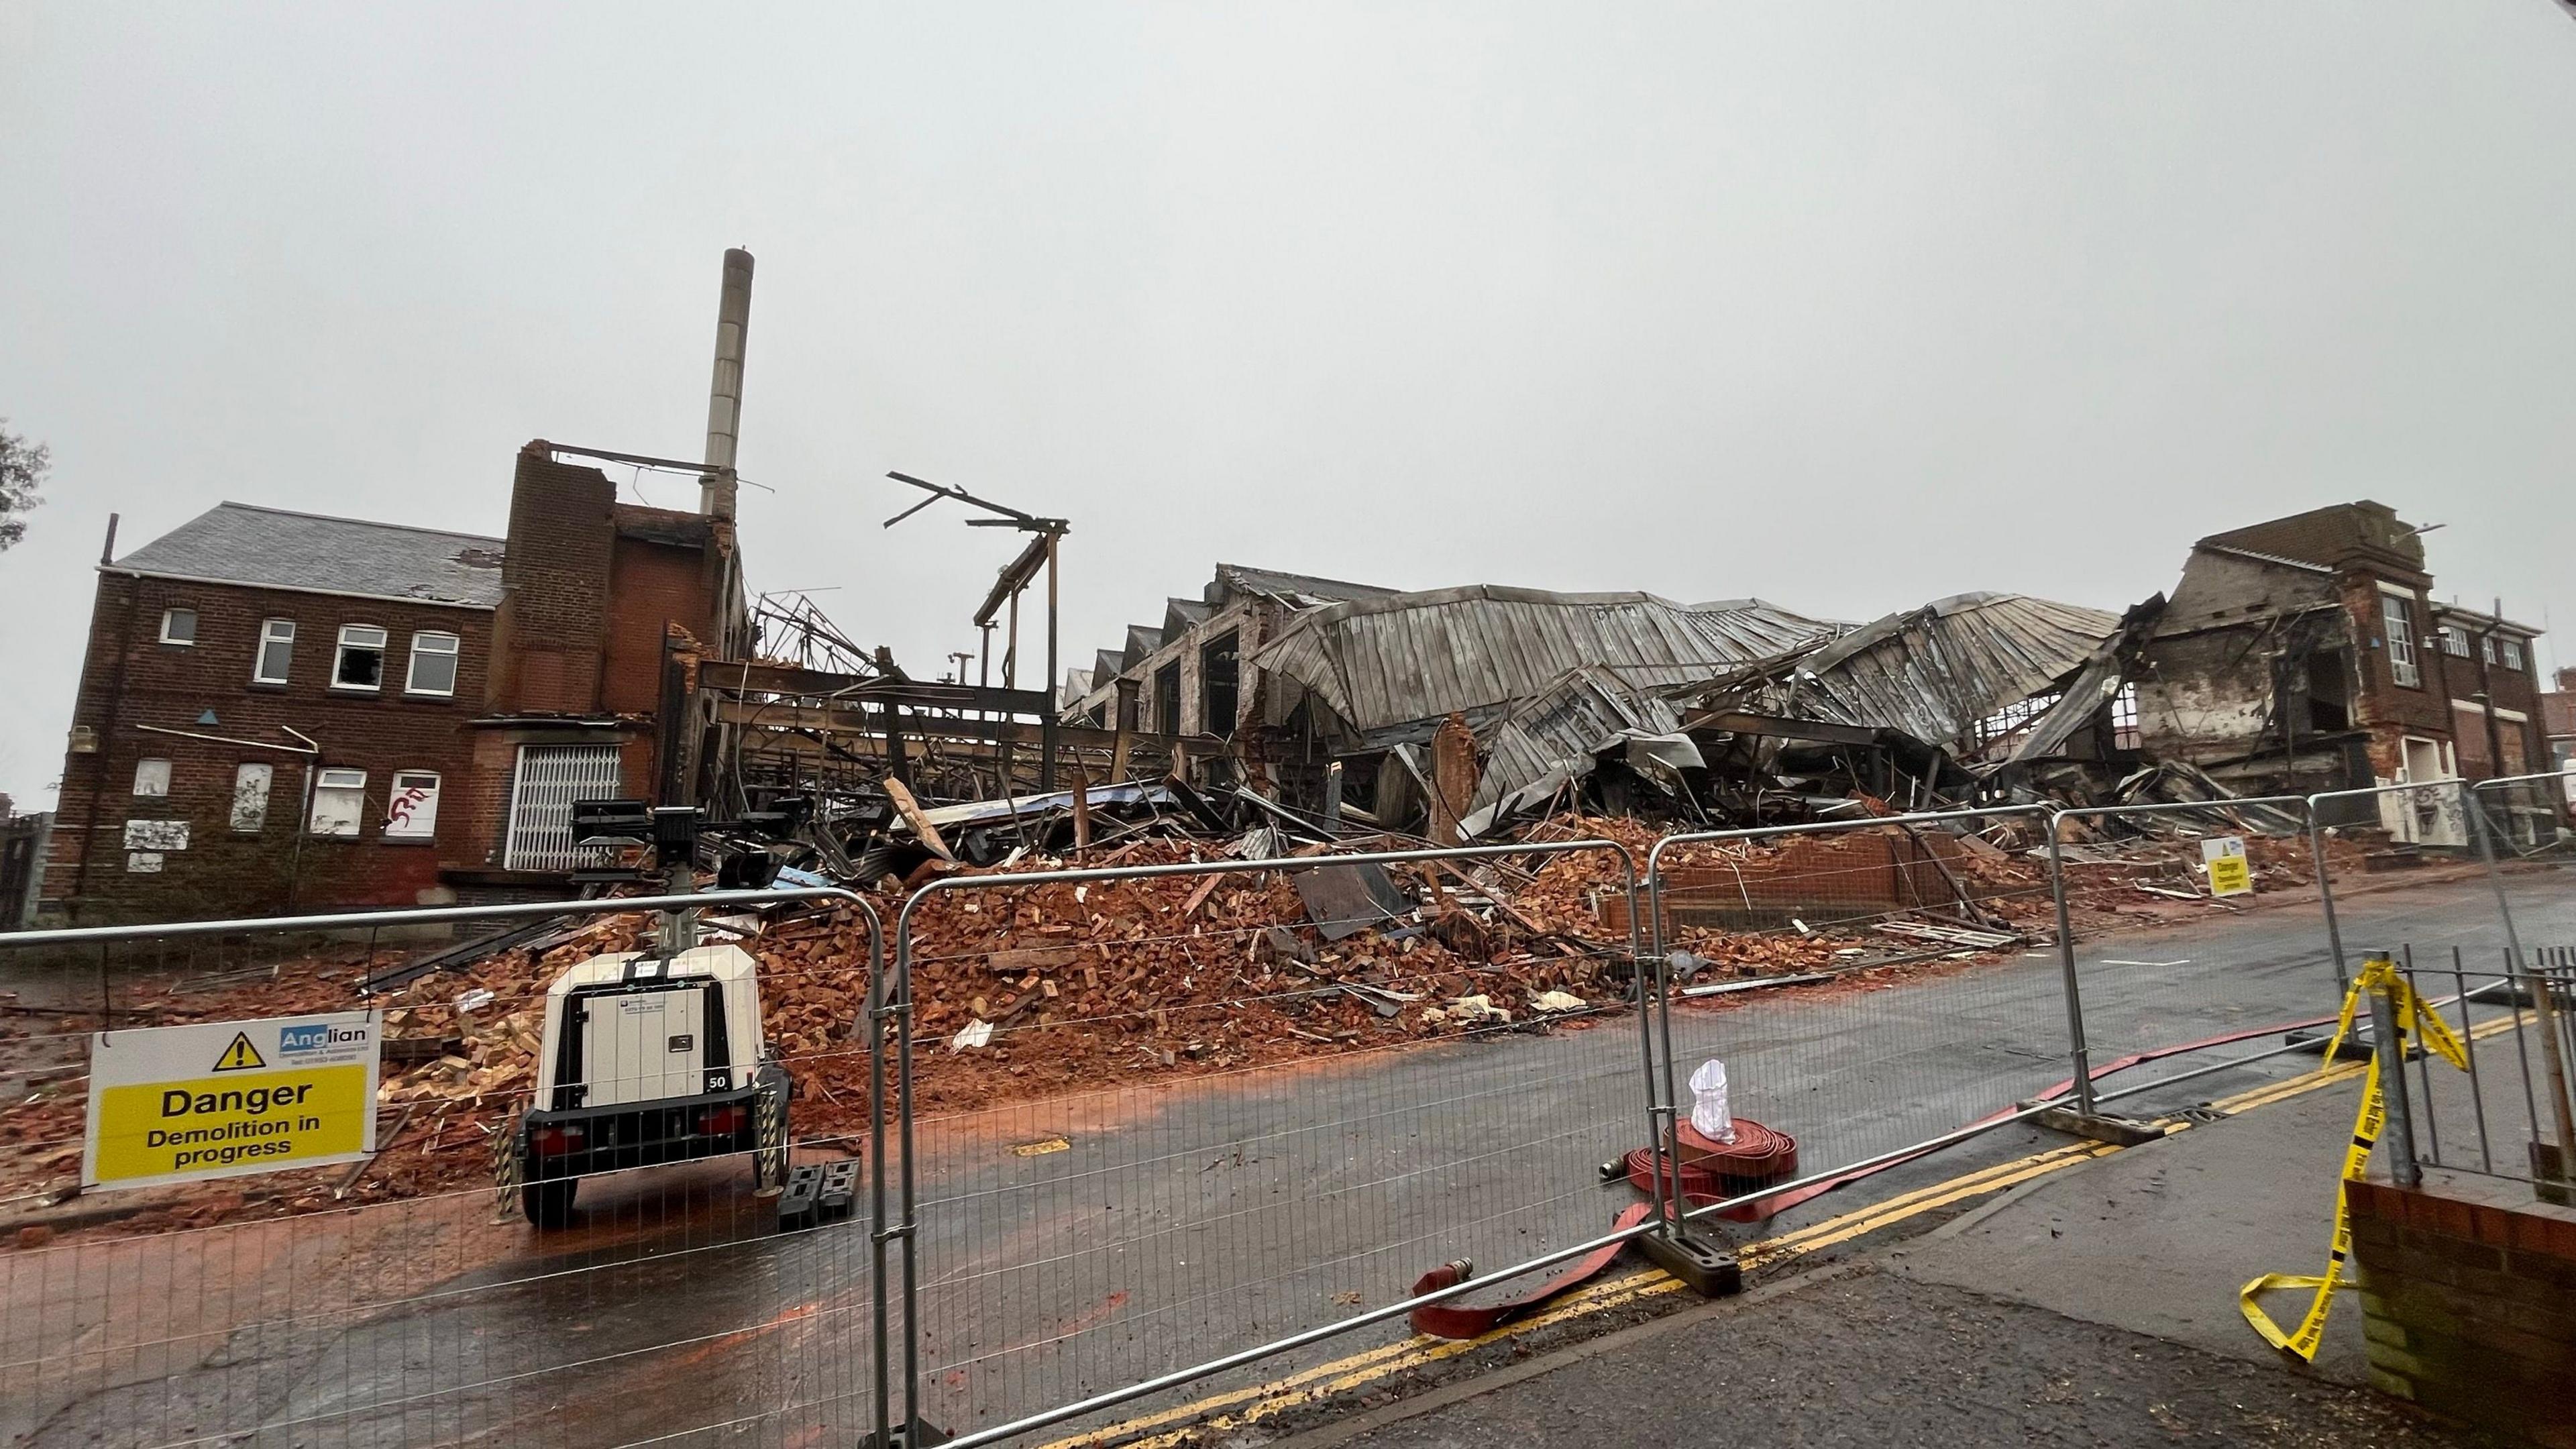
{"type": "Point", "coordinates": [1219, 672]}
{"type": "Point", "coordinates": [250, 797]}
{"type": "Point", "coordinates": [411, 806]}
{"type": "Point", "coordinates": [276, 651]}
{"type": "Point", "coordinates": [2013, 718]}
{"type": "Point", "coordinates": [339, 797]}
{"type": "Point", "coordinates": [2399, 613]}
{"type": "Point", "coordinates": [361, 662]}
{"type": "Point", "coordinates": [152, 777]}
{"type": "Point", "coordinates": [433, 664]}
{"type": "Point", "coordinates": [2124, 718]}
{"type": "Point", "coordinates": [178, 626]}
{"type": "Point", "coordinates": [1167, 698]}
{"type": "Point", "coordinates": [2329, 692]}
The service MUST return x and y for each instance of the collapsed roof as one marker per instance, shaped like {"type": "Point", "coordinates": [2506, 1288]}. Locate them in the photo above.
{"type": "Point", "coordinates": [1940, 671]}
{"type": "Point", "coordinates": [1403, 657]}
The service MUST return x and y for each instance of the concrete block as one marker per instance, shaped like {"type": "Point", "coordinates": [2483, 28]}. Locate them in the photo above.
{"type": "Point", "coordinates": [2394, 1360]}
{"type": "Point", "coordinates": [2385, 1331]}
{"type": "Point", "coordinates": [2396, 1386]}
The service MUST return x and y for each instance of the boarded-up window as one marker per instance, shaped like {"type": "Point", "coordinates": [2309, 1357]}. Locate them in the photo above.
{"type": "Point", "coordinates": [339, 798]}
{"type": "Point", "coordinates": [250, 797]}
{"type": "Point", "coordinates": [411, 806]}
{"type": "Point", "coordinates": [152, 777]}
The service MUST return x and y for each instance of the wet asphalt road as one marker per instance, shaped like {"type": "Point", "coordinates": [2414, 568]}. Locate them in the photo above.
{"type": "Point", "coordinates": [1175, 1222]}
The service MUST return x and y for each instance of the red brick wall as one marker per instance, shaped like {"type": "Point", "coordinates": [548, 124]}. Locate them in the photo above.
{"type": "Point", "coordinates": [2391, 710]}
{"type": "Point", "coordinates": [2468, 1298]}
{"type": "Point", "coordinates": [549, 635]}
{"type": "Point", "coordinates": [224, 871]}
{"type": "Point", "coordinates": [650, 585]}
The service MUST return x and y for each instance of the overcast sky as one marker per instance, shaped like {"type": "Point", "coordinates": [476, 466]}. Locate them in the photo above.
{"type": "Point", "coordinates": [1846, 307]}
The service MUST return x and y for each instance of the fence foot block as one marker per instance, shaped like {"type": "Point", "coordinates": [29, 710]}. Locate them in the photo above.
{"type": "Point", "coordinates": [916, 1435]}
{"type": "Point", "coordinates": [1705, 1264]}
{"type": "Point", "coordinates": [2100, 1127]}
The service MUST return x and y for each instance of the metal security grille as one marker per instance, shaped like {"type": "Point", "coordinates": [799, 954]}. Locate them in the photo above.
{"type": "Point", "coordinates": [549, 779]}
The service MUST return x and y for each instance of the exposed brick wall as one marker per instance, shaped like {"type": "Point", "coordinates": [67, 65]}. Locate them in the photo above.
{"type": "Point", "coordinates": [2393, 711]}
{"type": "Point", "coordinates": [225, 871]}
{"type": "Point", "coordinates": [551, 629]}
{"type": "Point", "coordinates": [651, 584]}
{"type": "Point", "coordinates": [2468, 1296]}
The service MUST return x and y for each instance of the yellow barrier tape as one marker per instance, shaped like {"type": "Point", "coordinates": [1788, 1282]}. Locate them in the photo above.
{"type": "Point", "coordinates": [2415, 1021]}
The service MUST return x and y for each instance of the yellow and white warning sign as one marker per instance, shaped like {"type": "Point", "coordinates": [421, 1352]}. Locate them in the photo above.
{"type": "Point", "coordinates": [2230, 873]}
{"type": "Point", "coordinates": [180, 1103]}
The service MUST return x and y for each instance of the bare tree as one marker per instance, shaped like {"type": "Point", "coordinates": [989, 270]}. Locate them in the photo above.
{"type": "Point", "coordinates": [22, 472]}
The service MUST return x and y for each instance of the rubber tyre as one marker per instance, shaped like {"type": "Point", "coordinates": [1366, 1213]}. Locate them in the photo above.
{"type": "Point", "coordinates": [548, 1205]}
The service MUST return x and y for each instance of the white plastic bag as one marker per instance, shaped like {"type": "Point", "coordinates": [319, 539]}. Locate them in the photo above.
{"type": "Point", "coordinates": [1709, 1116]}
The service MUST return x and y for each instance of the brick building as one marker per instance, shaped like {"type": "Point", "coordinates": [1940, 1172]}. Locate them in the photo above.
{"type": "Point", "coordinates": [269, 718]}
{"type": "Point", "coordinates": [2306, 654]}
{"type": "Point", "coordinates": [286, 712]}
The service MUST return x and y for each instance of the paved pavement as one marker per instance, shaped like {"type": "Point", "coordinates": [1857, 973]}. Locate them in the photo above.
{"type": "Point", "coordinates": [1176, 1222]}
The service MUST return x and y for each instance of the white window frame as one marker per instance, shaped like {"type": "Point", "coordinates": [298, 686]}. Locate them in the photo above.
{"type": "Point", "coordinates": [2397, 620]}
{"type": "Point", "coordinates": [144, 775]}
{"type": "Point", "coordinates": [422, 823]}
{"type": "Point", "coordinates": [337, 781]}
{"type": "Point", "coordinates": [273, 631]}
{"type": "Point", "coordinates": [382, 646]}
{"type": "Point", "coordinates": [2486, 648]}
{"type": "Point", "coordinates": [453, 653]}
{"type": "Point", "coordinates": [169, 614]}
{"type": "Point", "coordinates": [2455, 641]}
{"type": "Point", "coordinates": [2512, 651]}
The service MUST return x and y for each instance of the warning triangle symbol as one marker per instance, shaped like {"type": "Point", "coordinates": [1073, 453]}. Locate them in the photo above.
{"type": "Point", "coordinates": [241, 1056]}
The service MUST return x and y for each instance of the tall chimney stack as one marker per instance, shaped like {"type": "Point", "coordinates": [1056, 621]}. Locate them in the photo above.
{"type": "Point", "coordinates": [724, 395]}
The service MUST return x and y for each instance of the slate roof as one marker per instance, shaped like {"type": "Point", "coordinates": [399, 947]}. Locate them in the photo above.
{"type": "Point", "coordinates": [1297, 591]}
{"type": "Point", "coordinates": [241, 543]}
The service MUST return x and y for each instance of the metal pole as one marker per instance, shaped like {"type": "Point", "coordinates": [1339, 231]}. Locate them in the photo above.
{"type": "Point", "coordinates": [2077, 1054]}
{"type": "Point", "coordinates": [1047, 732]}
{"type": "Point", "coordinates": [2325, 896]}
{"type": "Point", "coordinates": [2388, 1064]}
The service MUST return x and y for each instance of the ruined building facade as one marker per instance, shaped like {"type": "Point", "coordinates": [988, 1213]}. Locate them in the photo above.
{"type": "Point", "coordinates": [2307, 654]}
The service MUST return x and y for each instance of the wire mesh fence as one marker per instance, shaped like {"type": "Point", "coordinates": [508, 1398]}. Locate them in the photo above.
{"type": "Point", "coordinates": [404, 1296]}
{"type": "Point", "coordinates": [1313, 1117]}
{"type": "Point", "coordinates": [1871, 984]}
{"type": "Point", "coordinates": [2508, 1111]}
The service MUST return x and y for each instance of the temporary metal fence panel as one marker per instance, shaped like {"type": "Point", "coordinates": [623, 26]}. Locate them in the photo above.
{"type": "Point", "coordinates": [398, 1300]}
{"type": "Point", "coordinates": [2171, 999]}
{"type": "Point", "coordinates": [2529, 817]}
{"type": "Point", "coordinates": [1150, 1127]}
{"type": "Point", "coordinates": [1872, 984]}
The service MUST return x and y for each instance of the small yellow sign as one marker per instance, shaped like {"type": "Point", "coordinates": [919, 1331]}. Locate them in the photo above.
{"type": "Point", "coordinates": [180, 1103]}
{"type": "Point", "coordinates": [2230, 873]}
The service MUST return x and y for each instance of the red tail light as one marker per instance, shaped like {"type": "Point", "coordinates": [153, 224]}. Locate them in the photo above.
{"type": "Point", "coordinates": [557, 1141]}
{"type": "Point", "coordinates": [723, 1121]}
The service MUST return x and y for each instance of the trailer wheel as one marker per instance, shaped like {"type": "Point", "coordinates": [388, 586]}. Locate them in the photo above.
{"type": "Point", "coordinates": [549, 1204]}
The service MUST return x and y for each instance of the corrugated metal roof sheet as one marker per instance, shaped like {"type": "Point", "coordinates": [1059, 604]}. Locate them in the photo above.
{"type": "Point", "coordinates": [1563, 727]}
{"type": "Point", "coordinates": [241, 543]}
{"type": "Point", "coordinates": [1297, 591]}
{"type": "Point", "coordinates": [1936, 671]}
{"type": "Point", "coordinates": [1378, 662]}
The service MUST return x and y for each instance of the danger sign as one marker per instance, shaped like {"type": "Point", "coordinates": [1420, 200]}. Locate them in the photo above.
{"type": "Point", "coordinates": [2230, 873]}
{"type": "Point", "coordinates": [180, 1103]}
